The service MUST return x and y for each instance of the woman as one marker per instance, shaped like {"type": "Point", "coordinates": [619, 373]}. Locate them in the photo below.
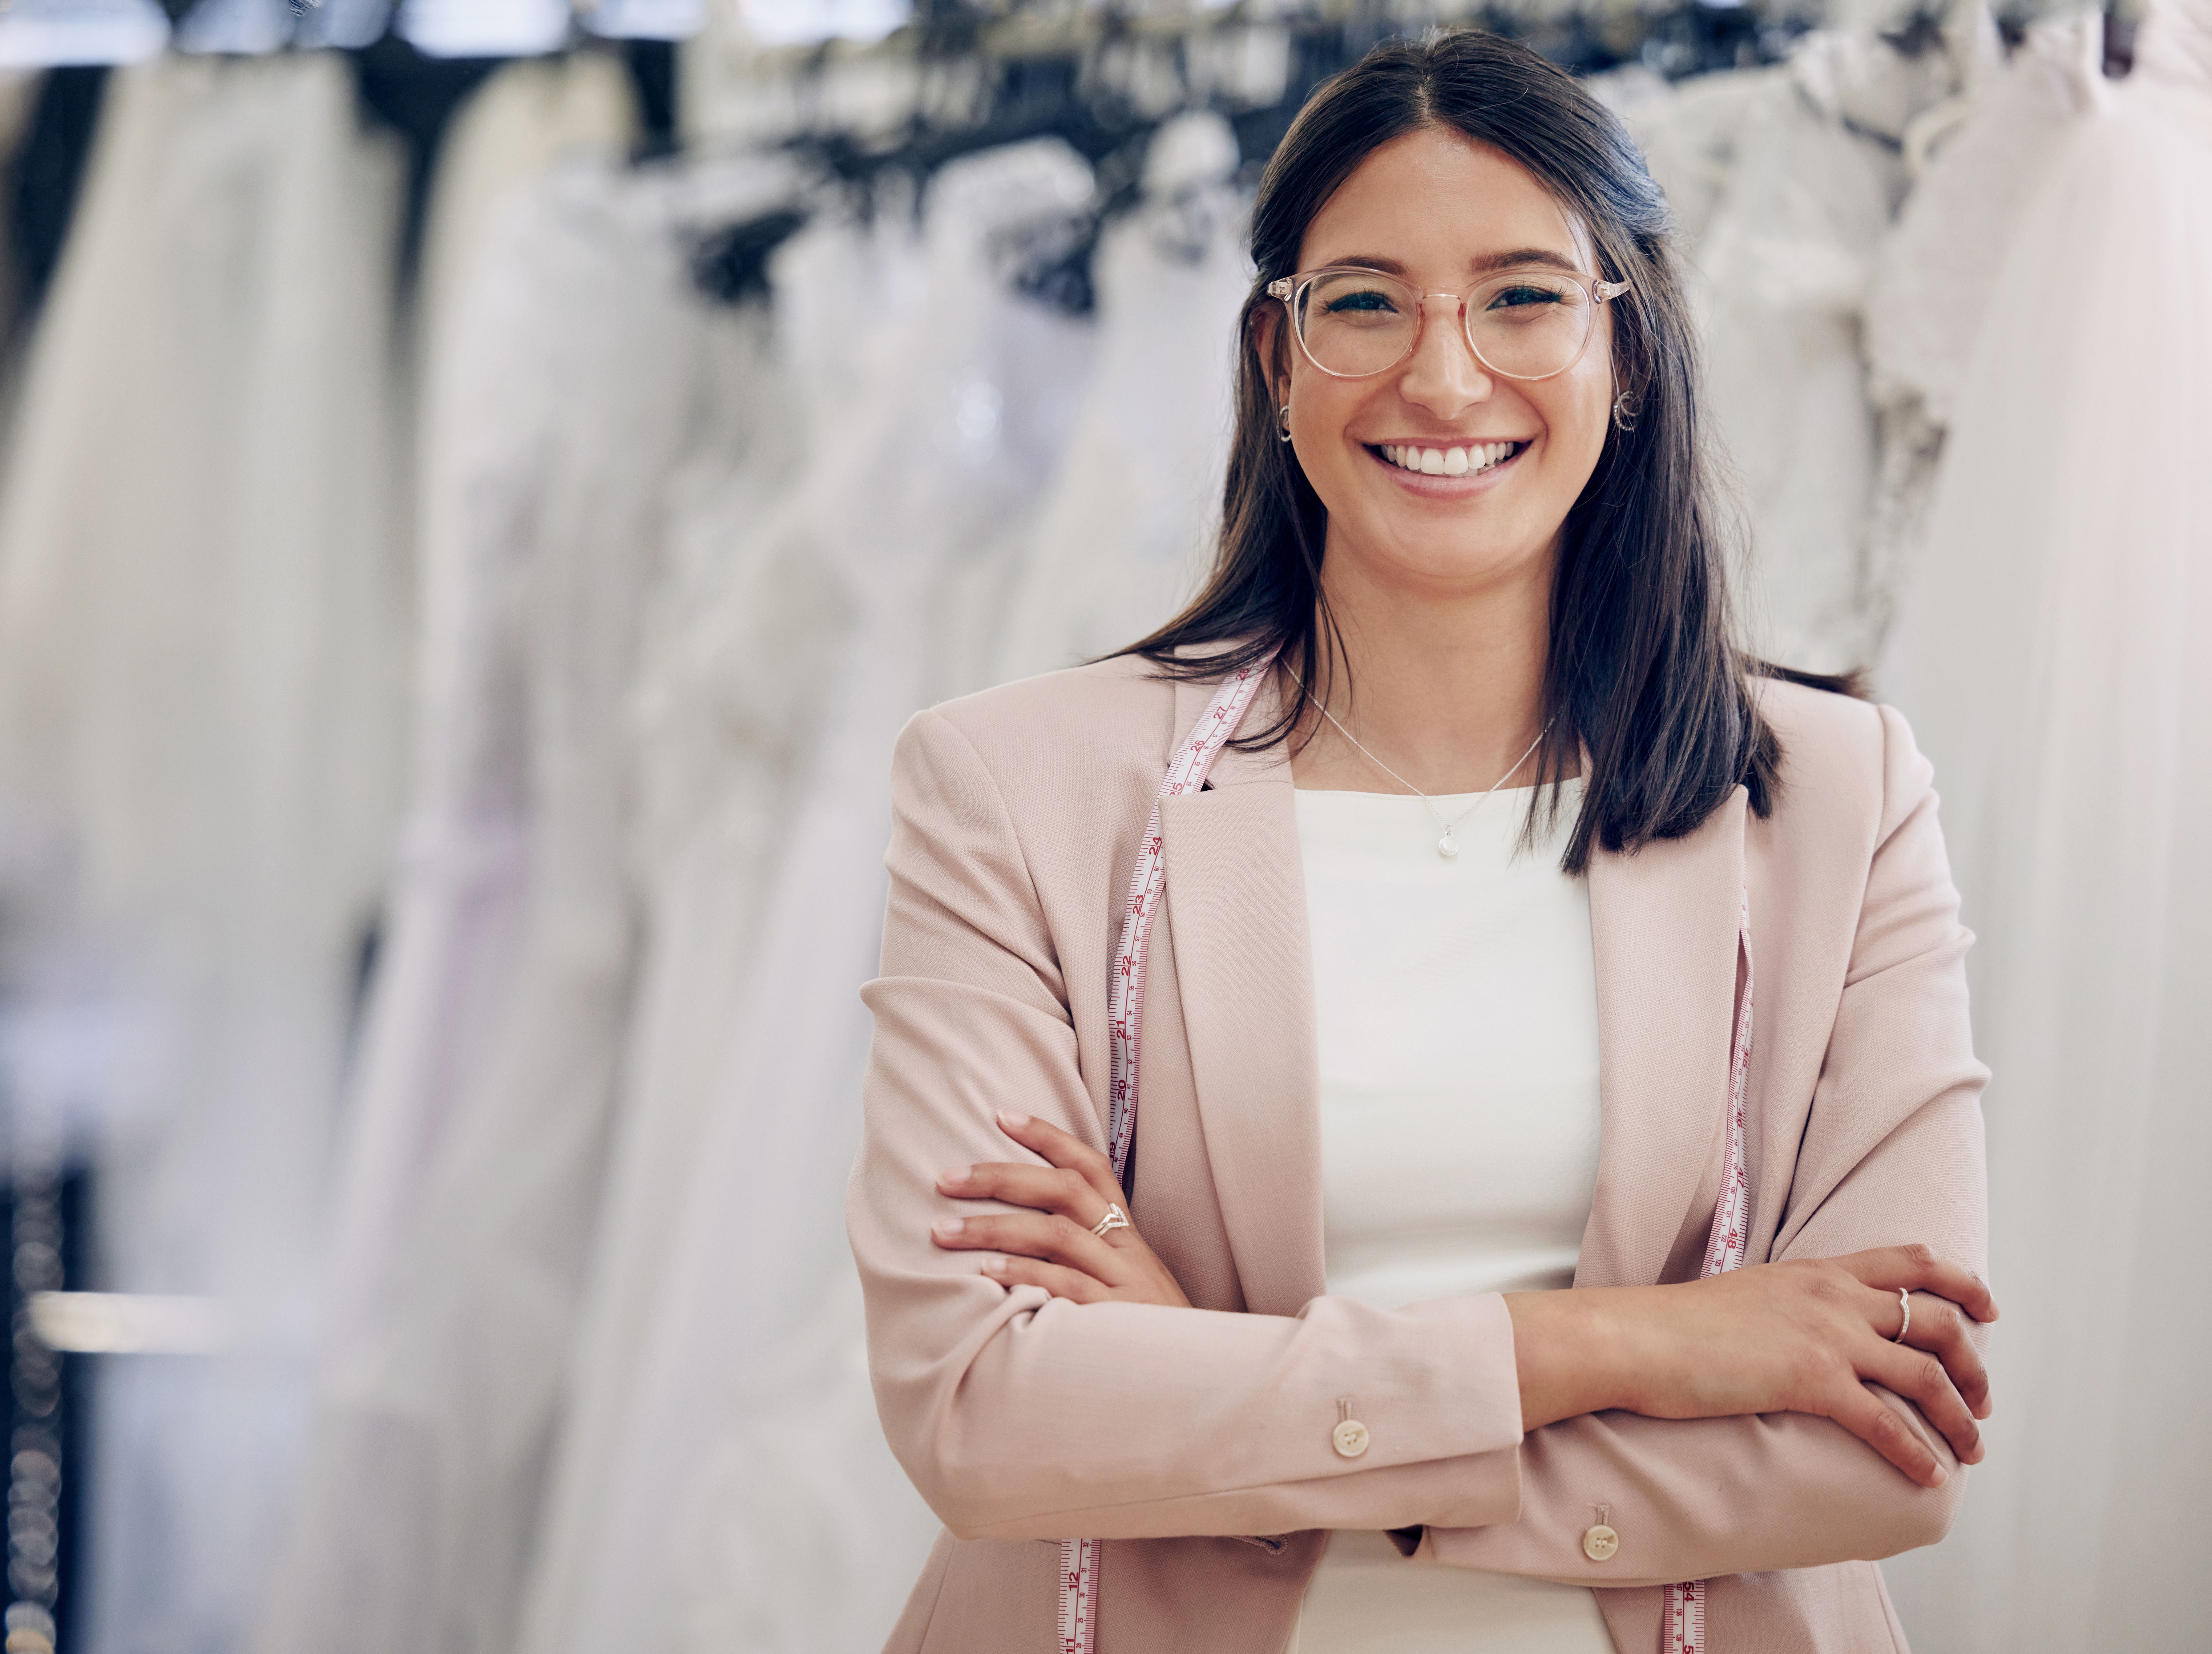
{"type": "Point", "coordinates": [1415, 1059]}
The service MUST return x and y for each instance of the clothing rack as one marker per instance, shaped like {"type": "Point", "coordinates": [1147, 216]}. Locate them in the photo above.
{"type": "Point", "coordinates": [1116, 61]}
{"type": "Point", "coordinates": [1102, 80]}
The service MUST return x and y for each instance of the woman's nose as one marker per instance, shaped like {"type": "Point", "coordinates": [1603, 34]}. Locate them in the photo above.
{"type": "Point", "coordinates": [1444, 374]}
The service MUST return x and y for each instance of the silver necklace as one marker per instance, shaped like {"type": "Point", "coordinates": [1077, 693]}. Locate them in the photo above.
{"type": "Point", "coordinates": [1447, 846]}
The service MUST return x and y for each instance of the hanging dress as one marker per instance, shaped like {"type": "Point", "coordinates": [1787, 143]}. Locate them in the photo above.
{"type": "Point", "coordinates": [1123, 539]}
{"type": "Point", "coordinates": [585, 336]}
{"type": "Point", "coordinates": [457, 891]}
{"type": "Point", "coordinates": [202, 653]}
{"type": "Point", "coordinates": [758, 1505]}
{"type": "Point", "coordinates": [530, 116]}
{"type": "Point", "coordinates": [1981, 154]}
{"type": "Point", "coordinates": [2052, 657]}
{"type": "Point", "coordinates": [1784, 187]}
{"type": "Point", "coordinates": [725, 705]}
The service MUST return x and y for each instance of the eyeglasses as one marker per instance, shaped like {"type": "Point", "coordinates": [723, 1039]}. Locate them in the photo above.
{"type": "Point", "coordinates": [1526, 324]}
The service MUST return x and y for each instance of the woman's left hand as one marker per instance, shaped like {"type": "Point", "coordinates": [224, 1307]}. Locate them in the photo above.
{"type": "Point", "coordinates": [1052, 1244]}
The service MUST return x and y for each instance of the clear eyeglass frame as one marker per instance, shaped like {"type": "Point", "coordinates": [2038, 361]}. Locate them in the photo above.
{"type": "Point", "coordinates": [1291, 289]}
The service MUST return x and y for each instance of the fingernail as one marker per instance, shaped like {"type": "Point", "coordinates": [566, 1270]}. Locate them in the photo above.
{"type": "Point", "coordinates": [994, 1265]}
{"type": "Point", "coordinates": [1940, 1476]}
{"type": "Point", "coordinates": [952, 1177]}
{"type": "Point", "coordinates": [1013, 1121]}
{"type": "Point", "coordinates": [948, 1227]}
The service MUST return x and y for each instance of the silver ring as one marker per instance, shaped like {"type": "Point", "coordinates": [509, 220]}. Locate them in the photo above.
{"type": "Point", "coordinates": [1905, 1303]}
{"type": "Point", "coordinates": [1115, 1218]}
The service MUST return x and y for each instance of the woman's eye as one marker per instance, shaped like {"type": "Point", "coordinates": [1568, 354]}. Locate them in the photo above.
{"type": "Point", "coordinates": [1358, 303]}
{"type": "Point", "coordinates": [1521, 294]}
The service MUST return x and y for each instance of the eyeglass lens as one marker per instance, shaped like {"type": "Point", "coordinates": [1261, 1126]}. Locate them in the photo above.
{"type": "Point", "coordinates": [1524, 325]}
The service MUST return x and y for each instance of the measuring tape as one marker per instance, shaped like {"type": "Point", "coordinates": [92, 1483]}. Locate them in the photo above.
{"type": "Point", "coordinates": [1684, 1628]}
{"type": "Point", "coordinates": [1124, 1012]}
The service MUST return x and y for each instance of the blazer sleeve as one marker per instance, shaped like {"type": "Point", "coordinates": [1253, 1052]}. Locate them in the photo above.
{"type": "Point", "coordinates": [1892, 1153]}
{"type": "Point", "coordinates": [1020, 1416]}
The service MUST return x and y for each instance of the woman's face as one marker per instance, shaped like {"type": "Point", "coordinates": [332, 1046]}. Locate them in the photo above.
{"type": "Point", "coordinates": [1442, 212]}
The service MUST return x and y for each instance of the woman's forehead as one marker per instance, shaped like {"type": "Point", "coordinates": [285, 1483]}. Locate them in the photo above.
{"type": "Point", "coordinates": [1436, 204]}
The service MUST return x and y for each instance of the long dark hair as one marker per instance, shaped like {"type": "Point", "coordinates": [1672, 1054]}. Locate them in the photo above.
{"type": "Point", "coordinates": [1642, 670]}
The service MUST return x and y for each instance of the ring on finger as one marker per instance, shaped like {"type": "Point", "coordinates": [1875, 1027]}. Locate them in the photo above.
{"type": "Point", "coordinates": [1905, 1303]}
{"type": "Point", "coordinates": [1115, 1218]}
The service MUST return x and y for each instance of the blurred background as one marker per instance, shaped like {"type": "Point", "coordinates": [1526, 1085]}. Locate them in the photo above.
{"type": "Point", "coordinates": [483, 483]}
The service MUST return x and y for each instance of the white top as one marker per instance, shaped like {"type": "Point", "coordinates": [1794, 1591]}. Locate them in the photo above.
{"type": "Point", "coordinates": [1456, 1003]}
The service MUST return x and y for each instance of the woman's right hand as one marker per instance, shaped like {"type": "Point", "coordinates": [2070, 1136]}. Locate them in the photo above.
{"type": "Point", "coordinates": [1797, 1337]}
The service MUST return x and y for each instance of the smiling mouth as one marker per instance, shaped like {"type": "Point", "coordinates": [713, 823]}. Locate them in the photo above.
{"type": "Point", "coordinates": [1469, 460]}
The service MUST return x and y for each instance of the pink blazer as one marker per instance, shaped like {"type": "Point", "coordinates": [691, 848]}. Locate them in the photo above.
{"type": "Point", "coordinates": [1197, 1442]}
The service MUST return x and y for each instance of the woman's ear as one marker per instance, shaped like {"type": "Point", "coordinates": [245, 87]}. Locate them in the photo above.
{"type": "Point", "coordinates": [1266, 349]}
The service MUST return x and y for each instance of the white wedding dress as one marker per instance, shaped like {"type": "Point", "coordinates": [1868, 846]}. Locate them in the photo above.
{"type": "Point", "coordinates": [1783, 187]}
{"type": "Point", "coordinates": [529, 116]}
{"type": "Point", "coordinates": [756, 1505]}
{"type": "Point", "coordinates": [740, 639]}
{"type": "Point", "coordinates": [2051, 658]}
{"type": "Point", "coordinates": [1127, 532]}
{"type": "Point", "coordinates": [202, 656]}
{"type": "Point", "coordinates": [454, 909]}
{"type": "Point", "coordinates": [1980, 155]}
{"type": "Point", "coordinates": [574, 398]}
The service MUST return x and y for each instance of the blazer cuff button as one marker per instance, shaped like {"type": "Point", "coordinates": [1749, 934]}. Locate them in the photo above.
{"type": "Point", "coordinates": [1349, 1439]}
{"type": "Point", "coordinates": [1600, 1542]}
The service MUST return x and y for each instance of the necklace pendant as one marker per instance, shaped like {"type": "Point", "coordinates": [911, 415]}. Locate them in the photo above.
{"type": "Point", "coordinates": [1448, 847]}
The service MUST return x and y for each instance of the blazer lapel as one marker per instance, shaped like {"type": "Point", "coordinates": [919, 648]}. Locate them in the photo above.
{"type": "Point", "coordinates": [1663, 926]}
{"type": "Point", "coordinates": [1236, 897]}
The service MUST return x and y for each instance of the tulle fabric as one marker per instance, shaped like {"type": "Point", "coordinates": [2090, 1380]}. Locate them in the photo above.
{"type": "Point", "coordinates": [2051, 658]}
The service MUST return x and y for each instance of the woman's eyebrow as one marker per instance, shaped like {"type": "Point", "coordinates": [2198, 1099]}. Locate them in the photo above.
{"type": "Point", "coordinates": [1547, 256]}
{"type": "Point", "coordinates": [1482, 264]}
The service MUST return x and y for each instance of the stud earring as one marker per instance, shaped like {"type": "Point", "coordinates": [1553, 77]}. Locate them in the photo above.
{"type": "Point", "coordinates": [1625, 407]}
{"type": "Point", "coordinates": [1285, 417]}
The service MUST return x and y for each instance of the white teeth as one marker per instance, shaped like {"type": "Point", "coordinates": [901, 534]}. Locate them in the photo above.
{"type": "Point", "coordinates": [1470, 461]}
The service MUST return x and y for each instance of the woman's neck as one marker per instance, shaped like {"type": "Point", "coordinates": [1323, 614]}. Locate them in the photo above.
{"type": "Point", "coordinates": [1446, 688]}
